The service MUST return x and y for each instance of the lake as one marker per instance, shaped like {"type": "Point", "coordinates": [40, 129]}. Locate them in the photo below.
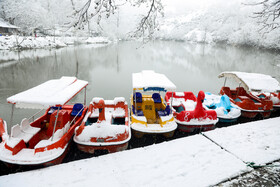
{"type": "Point", "coordinates": [108, 69]}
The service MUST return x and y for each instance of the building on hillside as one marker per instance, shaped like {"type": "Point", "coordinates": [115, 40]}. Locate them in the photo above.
{"type": "Point", "coordinates": [7, 28]}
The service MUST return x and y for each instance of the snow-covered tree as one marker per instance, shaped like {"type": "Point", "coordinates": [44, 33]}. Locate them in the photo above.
{"type": "Point", "coordinates": [105, 8]}
{"type": "Point", "coordinates": [77, 14]}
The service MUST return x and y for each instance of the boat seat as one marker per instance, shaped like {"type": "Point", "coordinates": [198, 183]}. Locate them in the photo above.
{"type": "Point", "coordinates": [189, 96]}
{"type": "Point", "coordinates": [165, 112]}
{"type": "Point", "coordinates": [138, 96]}
{"type": "Point", "coordinates": [139, 112]}
{"type": "Point", "coordinates": [118, 113]}
{"type": "Point", "coordinates": [177, 101]}
{"type": "Point", "coordinates": [226, 90]}
{"type": "Point", "coordinates": [17, 134]}
{"type": "Point", "coordinates": [77, 110]}
{"type": "Point", "coordinates": [119, 102]}
{"type": "Point", "coordinates": [26, 127]}
{"type": "Point", "coordinates": [240, 91]}
{"type": "Point", "coordinates": [62, 119]}
{"type": "Point", "coordinates": [53, 108]}
{"type": "Point", "coordinates": [156, 97]}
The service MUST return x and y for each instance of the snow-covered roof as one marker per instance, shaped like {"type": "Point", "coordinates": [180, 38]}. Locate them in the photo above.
{"type": "Point", "coordinates": [254, 81]}
{"type": "Point", "coordinates": [50, 93]}
{"type": "Point", "coordinates": [7, 25]}
{"type": "Point", "coordinates": [148, 80]}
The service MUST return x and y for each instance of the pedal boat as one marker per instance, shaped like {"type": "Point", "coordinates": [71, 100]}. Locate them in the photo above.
{"type": "Point", "coordinates": [244, 95]}
{"type": "Point", "coordinates": [43, 141]}
{"type": "Point", "coordinates": [227, 112]}
{"type": "Point", "coordinates": [105, 127]}
{"type": "Point", "coordinates": [149, 113]}
{"type": "Point", "coordinates": [189, 112]}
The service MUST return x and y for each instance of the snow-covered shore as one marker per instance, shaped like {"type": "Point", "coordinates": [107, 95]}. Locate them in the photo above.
{"type": "Point", "coordinates": [192, 161]}
{"type": "Point", "coordinates": [22, 42]}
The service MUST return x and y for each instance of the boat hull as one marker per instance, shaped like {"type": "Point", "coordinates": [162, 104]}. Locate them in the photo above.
{"type": "Point", "coordinates": [253, 114]}
{"type": "Point", "coordinates": [140, 134]}
{"type": "Point", "coordinates": [193, 128]}
{"type": "Point", "coordinates": [54, 161]}
{"type": "Point", "coordinates": [228, 120]}
{"type": "Point", "coordinates": [57, 160]}
{"type": "Point", "coordinates": [110, 148]}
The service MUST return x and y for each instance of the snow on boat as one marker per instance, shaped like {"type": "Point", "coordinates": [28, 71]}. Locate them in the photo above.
{"type": "Point", "coordinates": [43, 141]}
{"type": "Point", "coordinates": [244, 95]}
{"type": "Point", "coordinates": [149, 113]}
{"type": "Point", "coordinates": [226, 111]}
{"type": "Point", "coordinates": [105, 126]}
{"type": "Point", "coordinates": [189, 112]}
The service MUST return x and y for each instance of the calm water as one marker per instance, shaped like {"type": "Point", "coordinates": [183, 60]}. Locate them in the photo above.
{"type": "Point", "coordinates": [191, 67]}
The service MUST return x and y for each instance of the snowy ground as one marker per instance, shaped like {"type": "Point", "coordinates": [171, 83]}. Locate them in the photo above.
{"type": "Point", "coordinates": [256, 142]}
{"type": "Point", "coordinates": [20, 42]}
{"type": "Point", "coordinates": [194, 160]}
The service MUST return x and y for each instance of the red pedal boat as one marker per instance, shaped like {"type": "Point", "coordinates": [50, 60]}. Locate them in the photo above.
{"type": "Point", "coordinates": [189, 112]}
{"type": "Point", "coordinates": [45, 140]}
{"type": "Point", "coordinates": [105, 126]}
{"type": "Point", "coordinates": [248, 94]}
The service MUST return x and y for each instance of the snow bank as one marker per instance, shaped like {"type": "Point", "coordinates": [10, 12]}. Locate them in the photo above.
{"type": "Point", "coordinates": [15, 42]}
{"type": "Point", "coordinates": [193, 161]}
{"type": "Point", "coordinates": [252, 142]}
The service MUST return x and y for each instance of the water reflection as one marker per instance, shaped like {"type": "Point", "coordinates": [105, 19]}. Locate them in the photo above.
{"type": "Point", "coordinates": [192, 67]}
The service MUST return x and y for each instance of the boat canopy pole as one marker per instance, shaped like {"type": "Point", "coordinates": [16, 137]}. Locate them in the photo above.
{"type": "Point", "coordinates": [12, 114]}
{"type": "Point", "coordinates": [238, 89]}
{"type": "Point", "coordinates": [85, 96]}
{"type": "Point", "coordinates": [77, 115]}
{"type": "Point", "coordinates": [33, 117]}
{"type": "Point", "coordinates": [55, 123]}
{"type": "Point", "coordinates": [225, 81]}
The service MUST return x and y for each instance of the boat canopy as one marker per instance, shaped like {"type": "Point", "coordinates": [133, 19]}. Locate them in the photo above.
{"type": "Point", "coordinates": [253, 81]}
{"type": "Point", "coordinates": [148, 80]}
{"type": "Point", "coordinates": [51, 93]}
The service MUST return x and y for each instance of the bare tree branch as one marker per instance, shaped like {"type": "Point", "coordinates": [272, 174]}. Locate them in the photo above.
{"type": "Point", "coordinates": [268, 16]}
{"type": "Point", "coordinates": [104, 8]}
{"type": "Point", "coordinates": [148, 23]}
